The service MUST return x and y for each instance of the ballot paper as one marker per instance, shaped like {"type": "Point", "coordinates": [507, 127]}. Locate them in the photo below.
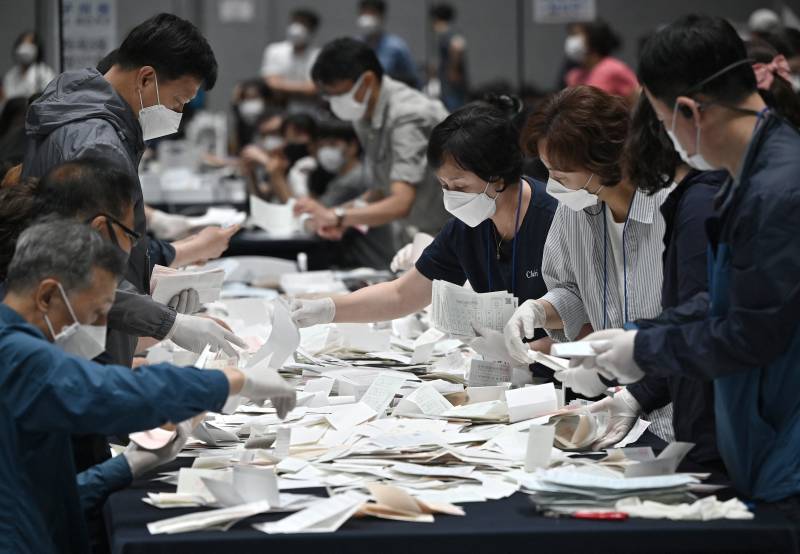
{"type": "Point", "coordinates": [664, 464]}
{"type": "Point", "coordinates": [312, 282]}
{"type": "Point", "coordinates": [363, 337]}
{"type": "Point", "coordinates": [166, 282]}
{"type": "Point", "coordinates": [539, 446]}
{"type": "Point", "coordinates": [350, 416]}
{"type": "Point", "coordinates": [577, 349]}
{"type": "Point", "coordinates": [223, 217]}
{"type": "Point", "coordinates": [396, 504]}
{"type": "Point", "coordinates": [425, 400]}
{"type": "Point", "coordinates": [213, 435]}
{"type": "Point", "coordinates": [382, 391]}
{"type": "Point", "coordinates": [484, 373]}
{"type": "Point", "coordinates": [457, 310]}
{"type": "Point", "coordinates": [424, 345]}
{"type": "Point", "coordinates": [152, 439]}
{"type": "Point", "coordinates": [531, 402]}
{"type": "Point", "coordinates": [208, 519]}
{"type": "Point", "coordinates": [578, 430]}
{"type": "Point", "coordinates": [283, 340]}
{"type": "Point", "coordinates": [190, 481]}
{"type": "Point", "coordinates": [248, 484]}
{"type": "Point", "coordinates": [277, 219]}
{"type": "Point", "coordinates": [324, 516]}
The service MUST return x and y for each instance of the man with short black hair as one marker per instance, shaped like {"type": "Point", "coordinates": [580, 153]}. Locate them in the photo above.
{"type": "Point", "coordinates": [392, 50]}
{"type": "Point", "coordinates": [393, 123]}
{"type": "Point", "coordinates": [158, 69]}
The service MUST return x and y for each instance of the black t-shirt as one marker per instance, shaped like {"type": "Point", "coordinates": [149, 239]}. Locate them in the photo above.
{"type": "Point", "coordinates": [460, 252]}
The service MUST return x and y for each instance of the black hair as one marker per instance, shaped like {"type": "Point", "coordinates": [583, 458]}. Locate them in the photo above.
{"type": "Point", "coordinates": [443, 12]}
{"type": "Point", "coordinates": [600, 37]}
{"type": "Point", "coordinates": [107, 61]}
{"type": "Point", "coordinates": [36, 40]}
{"type": "Point", "coordinates": [307, 17]}
{"type": "Point", "coordinates": [171, 45]}
{"type": "Point", "coordinates": [78, 189]}
{"type": "Point", "coordinates": [345, 59]}
{"type": "Point", "coordinates": [482, 138]}
{"type": "Point", "coordinates": [791, 36]}
{"type": "Point", "coordinates": [680, 58]}
{"type": "Point", "coordinates": [378, 6]}
{"type": "Point", "coordinates": [780, 96]}
{"type": "Point", "coordinates": [301, 121]}
{"type": "Point", "coordinates": [649, 157]}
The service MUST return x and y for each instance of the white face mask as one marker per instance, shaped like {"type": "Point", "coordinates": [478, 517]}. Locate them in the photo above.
{"type": "Point", "coordinates": [696, 160]}
{"type": "Point", "coordinates": [575, 200]}
{"type": "Point", "coordinates": [331, 158]}
{"type": "Point", "coordinates": [86, 341]}
{"type": "Point", "coordinates": [575, 48]}
{"type": "Point", "coordinates": [297, 34]}
{"type": "Point", "coordinates": [470, 207]}
{"type": "Point", "coordinates": [346, 107]}
{"type": "Point", "coordinates": [250, 109]}
{"type": "Point", "coordinates": [158, 121]}
{"type": "Point", "coordinates": [368, 24]}
{"type": "Point", "coordinates": [26, 53]}
{"type": "Point", "coordinates": [272, 142]}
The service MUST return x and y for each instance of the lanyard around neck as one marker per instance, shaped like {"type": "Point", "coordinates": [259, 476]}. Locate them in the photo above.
{"type": "Point", "coordinates": [513, 245]}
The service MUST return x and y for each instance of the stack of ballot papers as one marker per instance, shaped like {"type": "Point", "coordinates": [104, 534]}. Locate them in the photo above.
{"type": "Point", "coordinates": [166, 282]}
{"type": "Point", "coordinates": [399, 428]}
{"type": "Point", "coordinates": [457, 310]}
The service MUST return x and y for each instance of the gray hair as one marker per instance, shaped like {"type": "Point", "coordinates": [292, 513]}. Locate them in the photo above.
{"type": "Point", "coordinates": [64, 250]}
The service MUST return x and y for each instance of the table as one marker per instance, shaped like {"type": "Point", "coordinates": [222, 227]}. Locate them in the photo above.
{"type": "Point", "coordinates": [252, 242]}
{"type": "Point", "coordinates": [493, 527]}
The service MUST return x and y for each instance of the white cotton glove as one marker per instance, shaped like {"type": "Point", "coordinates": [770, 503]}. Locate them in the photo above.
{"type": "Point", "coordinates": [614, 359]}
{"type": "Point", "coordinates": [168, 226]}
{"type": "Point", "coordinates": [623, 411]}
{"type": "Point", "coordinates": [185, 302]}
{"type": "Point", "coordinates": [491, 345]}
{"type": "Point", "coordinates": [403, 260]}
{"type": "Point", "coordinates": [141, 460]}
{"type": "Point", "coordinates": [268, 385]}
{"type": "Point", "coordinates": [590, 362]}
{"type": "Point", "coordinates": [306, 313]}
{"type": "Point", "coordinates": [526, 319]}
{"type": "Point", "coordinates": [194, 333]}
{"type": "Point", "coordinates": [582, 381]}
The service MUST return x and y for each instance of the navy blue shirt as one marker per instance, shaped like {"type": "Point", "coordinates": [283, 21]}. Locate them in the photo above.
{"type": "Point", "coordinates": [460, 252]}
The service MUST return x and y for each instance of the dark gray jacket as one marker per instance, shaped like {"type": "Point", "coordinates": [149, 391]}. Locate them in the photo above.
{"type": "Point", "coordinates": [80, 114]}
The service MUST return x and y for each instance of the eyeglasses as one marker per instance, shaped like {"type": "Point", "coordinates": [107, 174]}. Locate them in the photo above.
{"type": "Point", "coordinates": [132, 235]}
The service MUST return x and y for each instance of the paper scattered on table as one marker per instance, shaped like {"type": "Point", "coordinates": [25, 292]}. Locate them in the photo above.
{"type": "Point", "coordinates": [213, 435]}
{"type": "Point", "coordinates": [283, 340]}
{"type": "Point", "coordinates": [204, 520]}
{"type": "Point", "coordinates": [539, 447]}
{"type": "Point", "coordinates": [663, 464]}
{"type": "Point", "coordinates": [166, 282]}
{"type": "Point", "coordinates": [396, 504]}
{"type": "Point", "coordinates": [483, 373]}
{"type": "Point", "coordinates": [248, 484]}
{"type": "Point", "coordinates": [324, 516]}
{"type": "Point", "coordinates": [456, 310]}
{"type": "Point", "coordinates": [152, 439]}
{"type": "Point", "coordinates": [350, 416]}
{"type": "Point", "coordinates": [531, 402]}
{"type": "Point", "coordinates": [382, 391]}
{"type": "Point", "coordinates": [426, 400]}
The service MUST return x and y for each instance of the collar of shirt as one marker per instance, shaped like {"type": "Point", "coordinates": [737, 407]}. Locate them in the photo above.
{"type": "Point", "coordinates": [643, 208]}
{"type": "Point", "coordinates": [9, 316]}
{"type": "Point", "coordinates": [384, 96]}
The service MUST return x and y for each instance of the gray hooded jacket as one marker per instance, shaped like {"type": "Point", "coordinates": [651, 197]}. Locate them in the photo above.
{"type": "Point", "coordinates": [80, 114]}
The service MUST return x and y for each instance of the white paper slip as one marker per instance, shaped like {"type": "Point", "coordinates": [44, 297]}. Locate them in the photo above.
{"type": "Point", "coordinates": [382, 391]}
{"type": "Point", "coordinates": [350, 416]}
{"type": "Point", "coordinates": [577, 349]}
{"type": "Point", "coordinates": [425, 400]}
{"type": "Point", "coordinates": [362, 337]}
{"type": "Point", "coordinates": [433, 471]}
{"type": "Point", "coordinates": [457, 310]}
{"type": "Point", "coordinates": [531, 402]}
{"type": "Point", "coordinates": [282, 442]}
{"type": "Point", "coordinates": [190, 481]}
{"type": "Point", "coordinates": [277, 219]}
{"type": "Point", "coordinates": [203, 520]}
{"type": "Point", "coordinates": [213, 435]}
{"type": "Point", "coordinates": [283, 340]}
{"type": "Point", "coordinates": [152, 439]}
{"type": "Point", "coordinates": [325, 516]}
{"type": "Point", "coordinates": [166, 282]}
{"type": "Point", "coordinates": [323, 384]}
{"type": "Point", "coordinates": [539, 446]}
{"type": "Point", "coordinates": [484, 373]}
{"type": "Point", "coordinates": [425, 344]}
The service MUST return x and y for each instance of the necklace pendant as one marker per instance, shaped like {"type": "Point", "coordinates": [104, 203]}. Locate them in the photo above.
{"type": "Point", "coordinates": [498, 254]}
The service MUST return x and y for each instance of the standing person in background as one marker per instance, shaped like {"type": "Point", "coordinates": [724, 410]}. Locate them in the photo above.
{"type": "Point", "coordinates": [30, 74]}
{"type": "Point", "coordinates": [392, 51]}
{"type": "Point", "coordinates": [451, 47]}
{"type": "Point", "coordinates": [393, 123]}
{"type": "Point", "coordinates": [286, 65]}
{"type": "Point", "coordinates": [590, 45]}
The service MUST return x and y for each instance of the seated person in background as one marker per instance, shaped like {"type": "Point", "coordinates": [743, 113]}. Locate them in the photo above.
{"type": "Point", "coordinates": [286, 65]}
{"type": "Point", "coordinates": [338, 177]}
{"type": "Point", "coordinates": [249, 103]}
{"type": "Point", "coordinates": [496, 238]}
{"type": "Point", "coordinates": [63, 276]}
{"type": "Point", "coordinates": [255, 163]}
{"type": "Point", "coordinates": [590, 46]}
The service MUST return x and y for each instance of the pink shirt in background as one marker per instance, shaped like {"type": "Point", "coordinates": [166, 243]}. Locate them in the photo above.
{"type": "Point", "coordinates": [610, 75]}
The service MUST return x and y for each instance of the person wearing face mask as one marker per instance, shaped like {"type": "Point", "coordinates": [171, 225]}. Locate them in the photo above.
{"type": "Point", "coordinates": [60, 284]}
{"type": "Point", "coordinates": [590, 45]}
{"type": "Point", "coordinates": [392, 122]}
{"type": "Point", "coordinates": [29, 74]}
{"type": "Point", "coordinates": [602, 260]}
{"type": "Point", "coordinates": [743, 333]}
{"type": "Point", "coordinates": [159, 67]}
{"type": "Point", "coordinates": [286, 65]}
{"type": "Point", "coordinates": [392, 51]}
{"type": "Point", "coordinates": [249, 106]}
{"type": "Point", "coordinates": [495, 239]}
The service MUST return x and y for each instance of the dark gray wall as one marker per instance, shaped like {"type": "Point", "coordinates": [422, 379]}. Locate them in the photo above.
{"type": "Point", "coordinates": [490, 26]}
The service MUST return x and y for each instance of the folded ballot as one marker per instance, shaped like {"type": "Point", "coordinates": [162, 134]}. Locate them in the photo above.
{"type": "Point", "coordinates": [457, 310]}
{"type": "Point", "coordinates": [166, 282]}
{"type": "Point", "coordinates": [277, 219]}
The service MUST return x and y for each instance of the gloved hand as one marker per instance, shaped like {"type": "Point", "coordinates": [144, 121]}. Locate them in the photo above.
{"type": "Point", "coordinates": [407, 256]}
{"type": "Point", "coordinates": [195, 332]}
{"type": "Point", "coordinates": [185, 302]}
{"type": "Point", "coordinates": [582, 381]}
{"type": "Point", "coordinates": [168, 226]}
{"type": "Point", "coordinates": [268, 385]}
{"type": "Point", "coordinates": [589, 362]}
{"type": "Point", "coordinates": [141, 460]}
{"type": "Point", "coordinates": [623, 410]}
{"type": "Point", "coordinates": [306, 313]}
{"type": "Point", "coordinates": [614, 359]}
{"type": "Point", "coordinates": [491, 345]}
{"type": "Point", "coordinates": [526, 319]}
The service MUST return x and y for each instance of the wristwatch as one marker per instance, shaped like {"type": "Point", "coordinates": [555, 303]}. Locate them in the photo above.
{"type": "Point", "coordinates": [339, 212]}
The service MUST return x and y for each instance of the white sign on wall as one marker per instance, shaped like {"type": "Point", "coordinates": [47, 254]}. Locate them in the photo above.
{"type": "Point", "coordinates": [89, 31]}
{"type": "Point", "coordinates": [563, 11]}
